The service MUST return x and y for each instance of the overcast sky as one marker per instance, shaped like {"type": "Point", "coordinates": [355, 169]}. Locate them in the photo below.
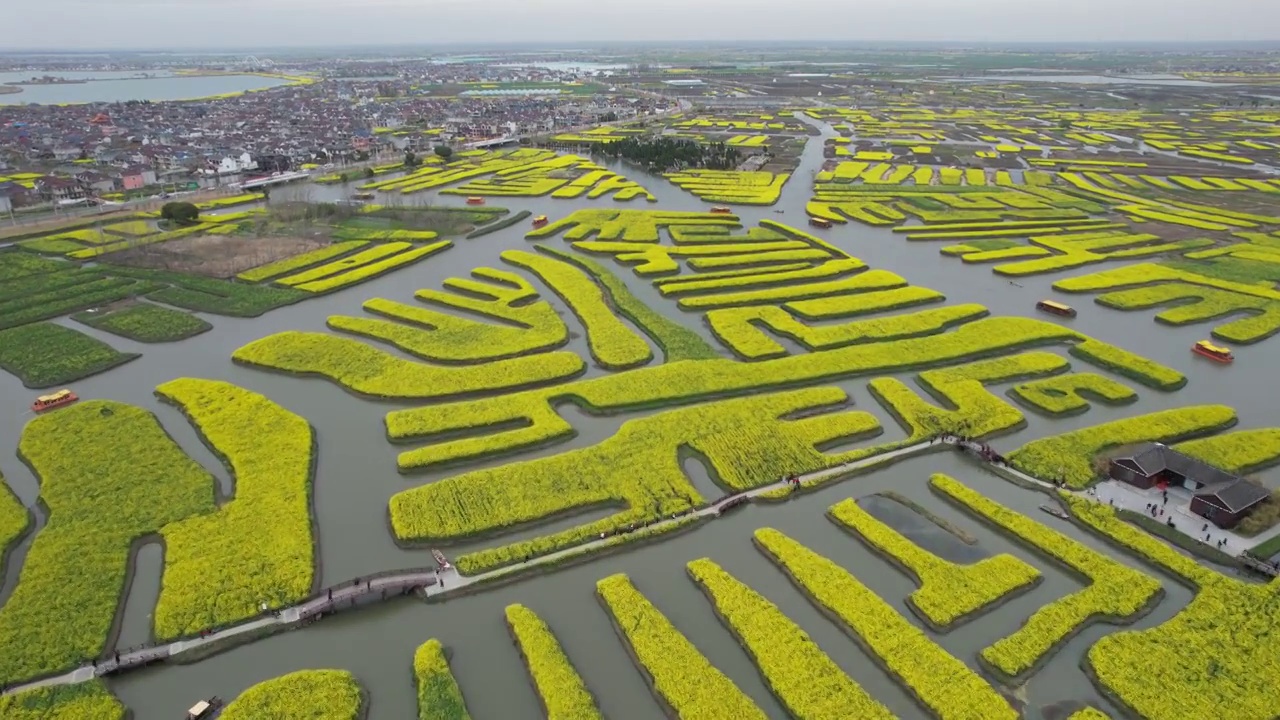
{"type": "Point", "coordinates": [206, 24]}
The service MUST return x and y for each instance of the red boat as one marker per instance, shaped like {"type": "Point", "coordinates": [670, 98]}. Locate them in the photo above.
{"type": "Point", "coordinates": [56, 400]}
{"type": "Point", "coordinates": [1055, 308]}
{"type": "Point", "coordinates": [820, 223]}
{"type": "Point", "coordinates": [1217, 353]}
{"type": "Point", "coordinates": [721, 210]}
{"type": "Point", "coordinates": [473, 200]}
{"type": "Point", "coordinates": [540, 221]}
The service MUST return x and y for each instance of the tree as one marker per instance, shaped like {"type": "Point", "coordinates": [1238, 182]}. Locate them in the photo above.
{"type": "Point", "coordinates": [444, 151]}
{"type": "Point", "coordinates": [180, 213]}
{"type": "Point", "coordinates": [410, 159]}
{"type": "Point", "coordinates": [368, 172]}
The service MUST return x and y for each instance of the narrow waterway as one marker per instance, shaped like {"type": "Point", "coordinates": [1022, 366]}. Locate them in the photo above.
{"type": "Point", "coordinates": [356, 475]}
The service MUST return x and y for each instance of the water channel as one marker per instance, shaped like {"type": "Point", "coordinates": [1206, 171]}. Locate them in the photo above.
{"type": "Point", "coordinates": [356, 476]}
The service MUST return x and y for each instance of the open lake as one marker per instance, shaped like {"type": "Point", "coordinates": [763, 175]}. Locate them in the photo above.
{"type": "Point", "coordinates": [356, 475]}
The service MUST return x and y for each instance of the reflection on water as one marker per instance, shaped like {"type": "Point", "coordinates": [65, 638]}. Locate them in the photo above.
{"type": "Point", "coordinates": [921, 530]}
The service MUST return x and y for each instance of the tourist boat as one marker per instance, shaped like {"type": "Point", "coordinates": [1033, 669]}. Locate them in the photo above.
{"type": "Point", "coordinates": [1216, 353]}
{"type": "Point", "coordinates": [721, 210]}
{"type": "Point", "coordinates": [475, 200]}
{"type": "Point", "coordinates": [440, 559]}
{"type": "Point", "coordinates": [1056, 308]}
{"type": "Point", "coordinates": [1056, 512]}
{"type": "Point", "coordinates": [362, 196]}
{"type": "Point", "coordinates": [204, 709]}
{"type": "Point", "coordinates": [540, 221]}
{"type": "Point", "coordinates": [820, 223]}
{"type": "Point", "coordinates": [56, 400]}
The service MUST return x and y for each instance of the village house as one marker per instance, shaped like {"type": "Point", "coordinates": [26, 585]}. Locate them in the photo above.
{"type": "Point", "coordinates": [136, 177]}
{"type": "Point", "coordinates": [59, 189]}
{"type": "Point", "coordinates": [1216, 495]}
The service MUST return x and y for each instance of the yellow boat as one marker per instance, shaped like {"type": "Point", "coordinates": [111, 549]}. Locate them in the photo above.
{"type": "Point", "coordinates": [1213, 352]}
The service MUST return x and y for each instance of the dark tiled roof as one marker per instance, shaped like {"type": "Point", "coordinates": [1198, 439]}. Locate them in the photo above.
{"type": "Point", "coordinates": [1237, 495]}
{"type": "Point", "coordinates": [1229, 491]}
{"type": "Point", "coordinates": [1156, 457]}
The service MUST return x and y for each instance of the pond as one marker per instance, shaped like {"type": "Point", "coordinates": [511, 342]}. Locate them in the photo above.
{"type": "Point", "coordinates": [356, 475]}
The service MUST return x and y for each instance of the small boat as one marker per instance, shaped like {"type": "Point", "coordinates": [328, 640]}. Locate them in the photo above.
{"type": "Point", "coordinates": [204, 709]}
{"type": "Point", "coordinates": [440, 559]}
{"type": "Point", "coordinates": [1056, 308]}
{"type": "Point", "coordinates": [56, 400]}
{"type": "Point", "coordinates": [1217, 353]}
{"type": "Point", "coordinates": [362, 196]}
{"type": "Point", "coordinates": [779, 211]}
{"type": "Point", "coordinates": [820, 223]}
{"type": "Point", "coordinates": [1056, 512]}
{"type": "Point", "coordinates": [540, 221]}
{"type": "Point", "coordinates": [721, 210]}
{"type": "Point", "coordinates": [475, 200]}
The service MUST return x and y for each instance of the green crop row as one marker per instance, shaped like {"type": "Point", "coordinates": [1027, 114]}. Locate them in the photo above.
{"type": "Point", "coordinates": [89, 700]}
{"type": "Point", "coordinates": [257, 548]}
{"type": "Point", "coordinates": [436, 336]}
{"type": "Point", "coordinates": [1115, 591]}
{"type": "Point", "coordinates": [439, 697]}
{"type": "Point", "coordinates": [614, 345]}
{"type": "Point", "coordinates": [682, 676]}
{"type": "Point", "coordinates": [298, 262]}
{"type": "Point", "coordinates": [371, 270]}
{"type": "Point", "coordinates": [1240, 452]}
{"type": "Point", "coordinates": [676, 341]}
{"type": "Point", "coordinates": [14, 519]}
{"type": "Point", "coordinates": [145, 322]}
{"type": "Point", "coordinates": [499, 225]}
{"type": "Point", "coordinates": [319, 694]}
{"type": "Point", "coordinates": [1069, 457]}
{"type": "Point", "coordinates": [1209, 303]}
{"type": "Point", "coordinates": [949, 593]}
{"type": "Point", "coordinates": [830, 268]}
{"type": "Point", "coordinates": [978, 412]}
{"type": "Point", "coordinates": [220, 297]}
{"type": "Point", "coordinates": [1217, 657]}
{"type": "Point", "coordinates": [743, 329]}
{"type": "Point", "coordinates": [1131, 365]}
{"type": "Point", "coordinates": [632, 226]}
{"type": "Point", "coordinates": [807, 681]}
{"type": "Point", "coordinates": [364, 257]}
{"type": "Point", "coordinates": [357, 233]}
{"type": "Point", "coordinates": [685, 382]}
{"type": "Point", "coordinates": [90, 456]}
{"type": "Point", "coordinates": [563, 693]}
{"type": "Point", "coordinates": [370, 371]}
{"type": "Point", "coordinates": [42, 305]}
{"type": "Point", "coordinates": [1062, 395]}
{"type": "Point", "coordinates": [43, 354]}
{"type": "Point", "coordinates": [746, 442]}
{"type": "Point", "coordinates": [942, 683]}
{"type": "Point", "coordinates": [129, 243]}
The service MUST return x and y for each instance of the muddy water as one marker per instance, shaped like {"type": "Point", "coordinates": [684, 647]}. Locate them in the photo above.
{"type": "Point", "coordinates": [357, 474]}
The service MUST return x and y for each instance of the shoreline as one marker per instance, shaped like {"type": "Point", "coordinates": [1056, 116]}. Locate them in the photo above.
{"type": "Point", "coordinates": [289, 81]}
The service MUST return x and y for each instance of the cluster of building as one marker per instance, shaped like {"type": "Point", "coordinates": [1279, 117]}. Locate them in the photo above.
{"type": "Point", "coordinates": [85, 151]}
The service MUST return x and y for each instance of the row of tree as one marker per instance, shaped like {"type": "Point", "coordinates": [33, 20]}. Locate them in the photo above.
{"type": "Point", "coordinates": [663, 154]}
